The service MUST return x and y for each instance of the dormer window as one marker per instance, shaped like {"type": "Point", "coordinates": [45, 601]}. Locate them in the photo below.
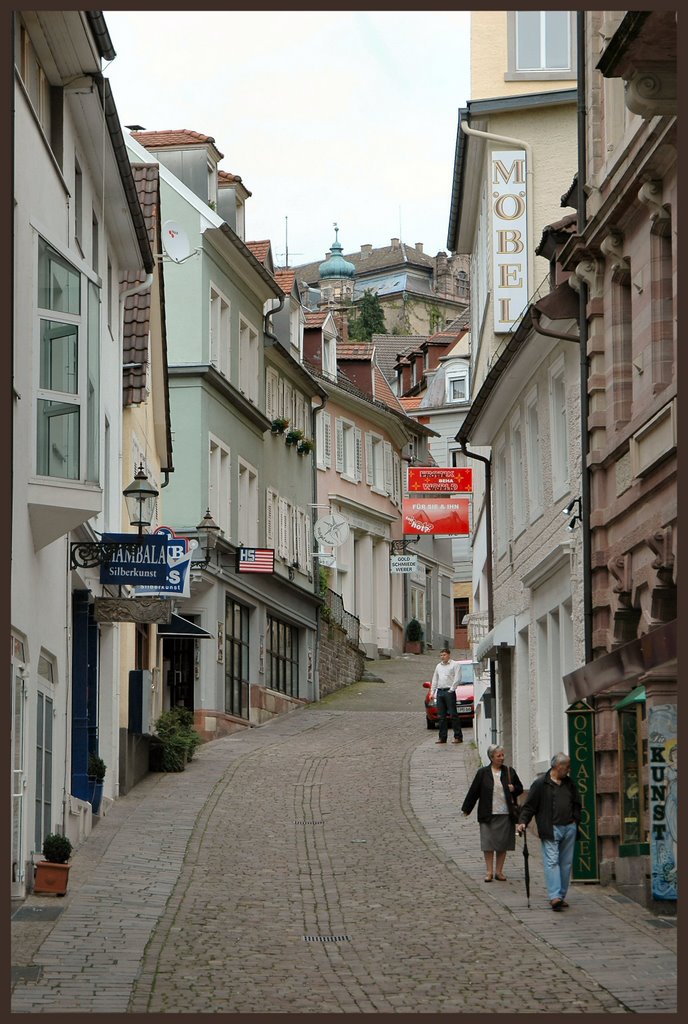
{"type": "Point", "coordinates": [541, 45]}
{"type": "Point", "coordinates": [457, 386]}
{"type": "Point", "coordinates": [329, 355]}
{"type": "Point", "coordinates": [212, 184]}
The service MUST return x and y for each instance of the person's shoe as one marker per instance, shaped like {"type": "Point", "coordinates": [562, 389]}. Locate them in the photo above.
{"type": "Point", "coordinates": [556, 904]}
{"type": "Point", "coordinates": [458, 739]}
{"type": "Point", "coordinates": [564, 903]}
{"type": "Point", "coordinates": [440, 741]}
{"type": "Point", "coordinates": [501, 878]}
{"type": "Point", "coordinates": [488, 878]}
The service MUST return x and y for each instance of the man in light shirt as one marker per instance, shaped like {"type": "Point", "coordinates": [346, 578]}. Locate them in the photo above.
{"type": "Point", "coordinates": [445, 679]}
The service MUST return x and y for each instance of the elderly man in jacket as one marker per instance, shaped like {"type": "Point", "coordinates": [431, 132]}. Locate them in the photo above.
{"type": "Point", "coordinates": [554, 801]}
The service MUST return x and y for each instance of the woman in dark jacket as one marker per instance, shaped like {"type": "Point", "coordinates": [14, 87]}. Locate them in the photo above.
{"type": "Point", "coordinates": [495, 789]}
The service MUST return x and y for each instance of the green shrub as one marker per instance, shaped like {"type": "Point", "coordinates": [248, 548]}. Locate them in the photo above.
{"type": "Point", "coordinates": [96, 767]}
{"type": "Point", "coordinates": [56, 848]}
{"type": "Point", "coordinates": [414, 630]}
{"type": "Point", "coordinates": [175, 741]}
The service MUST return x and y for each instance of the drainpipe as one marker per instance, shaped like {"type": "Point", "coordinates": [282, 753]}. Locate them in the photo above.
{"type": "Point", "coordinates": [535, 315]}
{"type": "Point", "coordinates": [488, 545]}
{"type": "Point", "coordinates": [316, 575]}
{"type": "Point", "coordinates": [583, 330]}
{"type": "Point", "coordinates": [517, 144]}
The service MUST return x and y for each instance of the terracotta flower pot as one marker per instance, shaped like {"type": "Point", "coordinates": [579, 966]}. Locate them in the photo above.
{"type": "Point", "coordinates": [51, 877]}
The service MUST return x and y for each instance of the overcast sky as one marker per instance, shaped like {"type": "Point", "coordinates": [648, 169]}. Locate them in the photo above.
{"type": "Point", "coordinates": [327, 116]}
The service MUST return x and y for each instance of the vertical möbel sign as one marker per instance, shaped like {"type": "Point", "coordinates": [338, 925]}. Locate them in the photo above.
{"type": "Point", "coordinates": [509, 199]}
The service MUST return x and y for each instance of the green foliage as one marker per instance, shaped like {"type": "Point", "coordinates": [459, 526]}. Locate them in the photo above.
{"type": "Point", "coordinates": [56, 848]}
{"type": "Point", "coordinates": [294, 435]}
{"type": "Point", "coordinates": [414, 630]}
{"type": "Point", "coordinates": [436, 319]}
{"type": "Point", "coordinates": [324, 579]}
{"type": "Point", "coordinates": [96, 767]}
{"type": "Point", "coordinates": [369, 318]}
{"type": "Point", "coordinates": [175, 741]}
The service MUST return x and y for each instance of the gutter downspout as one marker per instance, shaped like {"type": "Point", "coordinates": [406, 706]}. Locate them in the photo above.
{"type": "Point", "coordinates": [535, 315]}
{"type": "Point", "coordinates": [518, 144]}
{"type": "Point", "coordinates": [316, 575]}
{"type": "Point", "coordinates": [583, 331]}
{"type": "Point", "coordinates": [488, 546]}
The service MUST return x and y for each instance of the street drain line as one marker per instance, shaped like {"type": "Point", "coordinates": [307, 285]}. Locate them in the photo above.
{"type": "Point", "coordinates": [326, 938]}
{"type": "Point", "coordinates": [302, 822]}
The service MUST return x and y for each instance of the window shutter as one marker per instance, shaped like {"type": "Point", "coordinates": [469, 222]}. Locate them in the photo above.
{"type": "Point", "coordinates": [293, 539]}
{"type": "Point", "coordinates": [289, 403]}
{"type": "Point", "coordinates": [359, 454]}
{"type": "Point", "coordinates": [283, 538]}
{"type": "Point", "coordinates": [327, 432]}
{"type": "Point", "coordinates": [389, 486]}
{"type": "Point", "coordinates": [397, 476]}
{"type": "Point", "coordinates": [280, 397]}
{"type": "Point", "coordinates": [340, 446]}
{"type": "Point", "coordinates": [270, 393]}
{"type": "Point", "coordinates": [269, 522]}
{"type": "Point", "coordinates": [300, 537]}
{"type": "Point", "coordinates": [369, 458]}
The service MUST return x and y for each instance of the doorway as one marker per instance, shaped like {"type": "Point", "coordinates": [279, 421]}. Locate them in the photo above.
{"type": "Point", "coordinates": [179, 659]}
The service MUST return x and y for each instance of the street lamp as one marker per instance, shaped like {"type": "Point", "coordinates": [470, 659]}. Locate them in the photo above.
{"type": "Point", "coordinates": [208, 531]}
{"type": "Point", "coordinates": [140, 497]}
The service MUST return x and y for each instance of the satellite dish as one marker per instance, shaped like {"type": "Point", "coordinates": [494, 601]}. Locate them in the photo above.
{"type": "Point", "coordinates": [175, 241]}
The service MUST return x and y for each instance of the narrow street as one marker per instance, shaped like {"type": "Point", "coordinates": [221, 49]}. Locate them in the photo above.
{"type": "Point", "coordinates": [321, 864]}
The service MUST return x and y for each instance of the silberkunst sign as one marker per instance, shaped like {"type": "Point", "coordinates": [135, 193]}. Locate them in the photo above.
{"type": "Point", "coordinates": [129, 564]}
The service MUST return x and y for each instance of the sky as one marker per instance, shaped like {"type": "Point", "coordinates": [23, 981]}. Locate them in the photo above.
{"type": "Point", "coordinates": [327, 116]}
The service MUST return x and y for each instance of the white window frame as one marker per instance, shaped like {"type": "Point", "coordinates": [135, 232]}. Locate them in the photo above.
{"type": "Point", "coordinates": [542, 72]}
{"type": "Point", "coordinates": [220, 330]}
{"type": "Point", "coordinates": [533, 455]}
{"type": "Point", "coordinates": [323, 440]}
{"type": "Point", "coordinates": [348, 450]}
{"type": "Point", "coordinates": [247, 500]}
{"type": "Point", "coordinates": [248, 359]}
{"type": "Point", "coordinates": [502, 497]}
{"type": "Point", "coordinates": [329, 354]}
{"type": "Point", "coordinates": [559, 428]}
{"type": "Point", "coordinates": [272, 381]}
{"type": "Point", "coordinates": [517, 457]}
{"type": "Point", "coordinates": [375, 462]}
{"type": "Point", "coordinates": [219, 483]}
{"type": "Point", "coordinates": [452, 377]}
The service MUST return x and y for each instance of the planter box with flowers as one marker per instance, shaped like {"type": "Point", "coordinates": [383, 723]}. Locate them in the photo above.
{"type": "Point", "coordinates": [52, 873]}
{"type": "Point", "coordinates": [305, 446]}
{"type": "Point", "coordinates": [279, 425]}
{"type": "Point", "coordinates": [294, 436]}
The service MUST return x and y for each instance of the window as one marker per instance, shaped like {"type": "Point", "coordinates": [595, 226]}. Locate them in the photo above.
{"type": "Point", "coordinates": [375, 462]}
{"type": "Point", "coordinates": [457, 387]}
{"type": "Point", "coordinates": [236, 658]}
{"type": "Point", "coordinates": [282, 649]}
{"type": "Point", "coordinates": [109, 294]}
{"type": "Point", "coordinates": [219, 331]}
{"type": "Point", "coordinates": [248, 360]}
{"type": "Point", "coordinates": [69, 371]}
{"type": "Point", "coordinates": [462, 284]}
{"type": "Point", "coordinates": [417, 604]}
{"type": "Point", "coordinates": [559, 429]}
{"type": "Point", "coordinates": [247, 525]}
{"type": "Point", "coordinates": [35, 82]}
{"type": "Point", "coordinates": [632, 769]}
{"type": "Point", "coordinates": [533, 456]}
{"type": "Point", "coordinates": [323, 440]}
{"type": "Point", "coordinates": [541, 45]}
{"type": "Point", "coordinates": [329, 355]}
{"type": "Point", "coordinates": [501, 527]}
{"type": "Point", "coordinates": [349, 450]}
{"type": "Point", "coordinates": [44, 765]}
{"type": "Point", "coordinates": [212, 184]}
{"type": "Point", "coordinates": [517, 469]}
{"type": "Point", "coordinates": [95, 242]}
{"type": "Point", "coordinates": [218, 485]}
{"type": "Point", "coordinates": [78, 205]}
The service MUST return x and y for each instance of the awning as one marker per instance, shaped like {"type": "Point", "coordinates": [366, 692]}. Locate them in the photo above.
{"type": "Point", "coordinates": [503, 635]}
{"type": "Point", "coordinates": [627, 664]}
{"type": "Point", "coordinates": [179, 626]}
{"type": "Point", "coordinates": [636, 696]}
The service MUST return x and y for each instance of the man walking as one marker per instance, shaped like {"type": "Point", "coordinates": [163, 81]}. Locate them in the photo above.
{"type": "Point", "coordinates": [445, 679]}
{"type": "Point", "coordinates": [554, 800]}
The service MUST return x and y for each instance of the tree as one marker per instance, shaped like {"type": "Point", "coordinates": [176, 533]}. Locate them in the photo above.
{"type": "Point", "coordinates": [369, 319]}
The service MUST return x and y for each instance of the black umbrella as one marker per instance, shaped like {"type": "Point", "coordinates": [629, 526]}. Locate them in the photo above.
{"type": "Point", "coordinates": [526, 868]}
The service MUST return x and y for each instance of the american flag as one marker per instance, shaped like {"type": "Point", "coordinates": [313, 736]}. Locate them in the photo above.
{"type": "Point", "coordinates": [256, 560]}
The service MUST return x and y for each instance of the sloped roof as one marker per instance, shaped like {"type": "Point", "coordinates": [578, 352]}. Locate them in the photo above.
{"type": "Point", "coordinates": [316, 319]}
{"type": "Point", "coordinates": [383, 391]}
{"type": "Point", "coordinates": [408, 404]}
{"type": "Point", "coordinates": [173, 138]}
{"type": "Point", "coordinates": [260, 249]}
{"type": "Point", "coordinates": [354, 350]}
{"type": "Point", "coordinates": [380, 259]}
{"type": "Point", "coordinates": [388, 347]}
{"type": "Point", "coordinates": [285, 279]}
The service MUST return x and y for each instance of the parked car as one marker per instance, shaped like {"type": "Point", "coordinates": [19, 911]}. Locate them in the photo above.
{"type": "Point", "coordinates": [465, 702]}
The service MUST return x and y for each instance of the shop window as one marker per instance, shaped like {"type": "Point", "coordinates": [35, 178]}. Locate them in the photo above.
{"type": "Point", "coordinates": [236, 659]}
{"type": "Point", "coordinates": [282, 649]}
{"type": "Point", "coordinates": [633, 790]}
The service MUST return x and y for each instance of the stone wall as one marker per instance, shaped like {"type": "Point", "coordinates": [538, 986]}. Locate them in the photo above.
{"type": "Point", "coordinates": [340, 662]}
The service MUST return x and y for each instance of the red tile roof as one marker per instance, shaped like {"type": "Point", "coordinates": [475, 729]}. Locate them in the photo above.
{"type": "Point", "coordinates": [285, 279]}
{"type": "Point", "coordinates": [173, 137]}
{"type": "Point", "coordinates": [316, 319]}
{"type": "Point", "coordinates": [226, 178]}
{"type": "Point", "coordinates": [409, 404]}
{"type": "Point", "coordinates": [383, 391]}
{"type": "Point", "coordinates": [354, 350]}
{"type": "Point", "coordinates": [260, 249]}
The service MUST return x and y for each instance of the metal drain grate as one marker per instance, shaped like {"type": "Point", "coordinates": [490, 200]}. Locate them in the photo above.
{"type": "Point", "coordinates": [302, 821]}
{"type": "Point", "coordinates": [326, 938]}
{"type": "Point", "coordinates": [37, 913]}
{"type": "Point", "coordinates": [25, 974]}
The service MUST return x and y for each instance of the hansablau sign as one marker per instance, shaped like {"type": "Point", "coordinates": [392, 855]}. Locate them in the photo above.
{"type": "Point", "coordinates": [177, 578]}
{"type": "Point", "coordinates": [132, 560]}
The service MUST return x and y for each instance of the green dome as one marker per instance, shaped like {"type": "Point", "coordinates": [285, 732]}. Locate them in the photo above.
{"type": "Point", "coordinates": [335, 265]}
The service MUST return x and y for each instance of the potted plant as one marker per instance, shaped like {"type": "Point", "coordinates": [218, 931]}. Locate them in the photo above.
{"type": "Point", "coordinates": [52, 873]}
{"type": "Point", "coordinates": [174, 742]}
{"type": "Point", "coordinates": [294, 435]}
{"type": "Point", "coordinates": [96, 775]}
{"type": "Point", "coordinates": [414, 637]}
{"type": "Point", "coordinates": [279, 425]}
{"type": "Point", "coordinates": [305, 445]}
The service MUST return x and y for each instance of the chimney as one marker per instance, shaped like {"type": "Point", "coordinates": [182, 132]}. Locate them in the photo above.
{"type": "Point", "coordinates": [395, 243]}
{"type": "Point", "coordinates": [419, 246]}
{"type": "Point", "coordinates": [366, 249]}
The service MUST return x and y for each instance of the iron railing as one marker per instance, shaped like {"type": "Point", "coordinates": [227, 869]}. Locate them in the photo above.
{"type": "Point", "coordinates": [337, 613]}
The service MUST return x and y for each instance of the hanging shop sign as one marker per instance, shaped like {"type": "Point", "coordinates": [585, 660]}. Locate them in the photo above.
{"type": "Point", "coordinates": [509, 202]}
{"type": "Point", "coordinates": [432, 516]}
{"type": "Point", "coordinates": [403, 563]}
{"type": "Point", "coordinates": [582, 751]}
{"type": "Point", "coordinates": [130, 560]}
{"type": "Point", "coordinates": [255, 559]}
{"type": "Point", "coordinates": [447, 481]}
{"type": "Point", "coordinates": [663, 771]}
{"type": "Point", "coordinates": [178, 569]}
{"type": "Point", "coordinates": [132, 609]}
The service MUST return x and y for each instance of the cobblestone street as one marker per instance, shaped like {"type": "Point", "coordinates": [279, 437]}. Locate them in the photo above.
{"type": "Point", "coordinates": [318, 864]}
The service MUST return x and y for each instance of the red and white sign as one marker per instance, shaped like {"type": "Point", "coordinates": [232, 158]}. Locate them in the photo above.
{"type": "Point", "coordinates": [446, 481]}
{"type": "Point", "coordinates": [256, 560]}
{"type": "Point", "coordinates": [432, 516]}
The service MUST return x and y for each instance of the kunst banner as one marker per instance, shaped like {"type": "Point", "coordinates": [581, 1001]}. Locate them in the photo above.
{"type": "Point", "coordinates": [663, 768]}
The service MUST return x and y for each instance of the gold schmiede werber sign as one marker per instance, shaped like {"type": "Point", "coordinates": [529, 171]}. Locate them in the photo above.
{"type": "Point", "coordinates": [133, 609]}
{"type": "Point", "coordinates": [509, 204]}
